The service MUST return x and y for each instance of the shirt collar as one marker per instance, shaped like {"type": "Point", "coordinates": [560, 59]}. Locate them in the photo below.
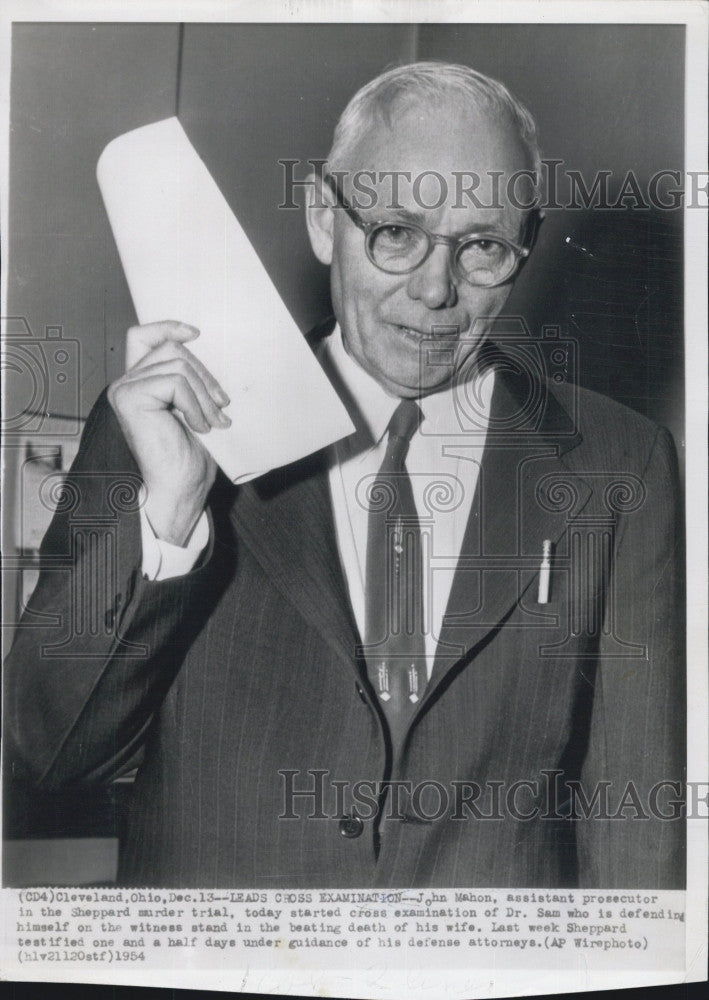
{"type": "Point", "coordinates": [371, 407]}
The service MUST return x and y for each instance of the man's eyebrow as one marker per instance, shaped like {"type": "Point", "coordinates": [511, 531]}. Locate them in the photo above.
{"type": "Point", "coordinates": [405, 215]}
{"type": "Point", "coordinates": [394, 215]}
{"type": "Point", "coordinates": [492, 227]}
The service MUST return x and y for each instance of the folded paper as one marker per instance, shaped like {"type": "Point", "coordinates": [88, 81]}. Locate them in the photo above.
{"type": "Point", "coordinates": [186, 258]}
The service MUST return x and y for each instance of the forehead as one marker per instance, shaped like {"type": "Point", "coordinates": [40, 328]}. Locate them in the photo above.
{"type": "Point", "coordinates": [464, 146]}
{"type": "Point", "coordinates": [444, 138]}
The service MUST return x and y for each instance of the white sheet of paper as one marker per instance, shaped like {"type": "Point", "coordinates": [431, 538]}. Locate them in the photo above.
{"type": "Point", "coordinates": [186, 258]}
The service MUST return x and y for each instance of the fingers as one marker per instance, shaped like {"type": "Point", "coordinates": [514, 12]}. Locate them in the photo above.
{"type": "Point", "coordinates": [163, 385]}
{"type": "Point", "coordinates": [152, 334]}
{"type": "Point", "coordinates": [167, 351]}
{"type": "Point", "coordinates": [189, 397]}
{"type": "Point", "coordinates": [140, 340]}
{"type": "Point", "coordinates": [164, 375]}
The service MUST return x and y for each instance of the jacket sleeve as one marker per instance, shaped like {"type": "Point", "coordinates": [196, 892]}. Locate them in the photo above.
{"type": "Point", "coordinates": [636, 750]}
{"type": "Point", "coordinates": [98, 646]}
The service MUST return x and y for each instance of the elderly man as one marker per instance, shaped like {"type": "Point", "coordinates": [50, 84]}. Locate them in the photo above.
{"type": "Point", "coordinates": [443, 651]}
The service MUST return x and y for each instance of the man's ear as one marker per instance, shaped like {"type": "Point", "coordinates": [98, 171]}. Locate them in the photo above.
{"type": "Point", "coordinates": [320, 218]}
{"type": "Point", "coordinates": [532, 226]}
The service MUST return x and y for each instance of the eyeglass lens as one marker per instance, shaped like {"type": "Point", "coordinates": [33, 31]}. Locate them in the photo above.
{"type": "Point", "coordinates": [401, 248]}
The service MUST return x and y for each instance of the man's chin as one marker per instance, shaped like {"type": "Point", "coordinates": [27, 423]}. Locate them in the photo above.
{"type": "Point", "coordinates": [422, 383]}
{"type": "Point", "coordinates": [435, 366]}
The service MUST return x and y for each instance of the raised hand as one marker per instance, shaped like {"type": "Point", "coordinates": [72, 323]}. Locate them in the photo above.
{"type": "Point", "coordinates": [176, 468]}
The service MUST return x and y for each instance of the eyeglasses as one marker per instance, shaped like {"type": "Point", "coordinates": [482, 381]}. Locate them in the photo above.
{"type": "Point", "coordinates": [400, 247]}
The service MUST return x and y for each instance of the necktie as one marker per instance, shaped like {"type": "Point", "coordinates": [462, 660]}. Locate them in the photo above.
{"type": "Point", "coordinates": [394, 636]}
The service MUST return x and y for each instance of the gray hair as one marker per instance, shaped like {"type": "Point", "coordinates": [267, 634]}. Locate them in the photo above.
{"type": "Point", "coordinates": [430, 81]}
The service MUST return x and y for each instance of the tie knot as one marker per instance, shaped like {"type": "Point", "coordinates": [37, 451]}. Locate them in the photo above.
{"type": "Point", "coordinates": [402, 426]}
{"type": "Point", "coordinates": [405, 420]}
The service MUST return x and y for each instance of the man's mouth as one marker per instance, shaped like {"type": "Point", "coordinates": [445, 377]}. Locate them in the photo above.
{"type": "Point", "coordinates": [441, 332]}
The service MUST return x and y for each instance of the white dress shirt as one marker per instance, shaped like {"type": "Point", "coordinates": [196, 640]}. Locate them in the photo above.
{"type": "Point", "coordinates": [443, 461]}
{"type": "Point", "coordinates": [163, 560]}
{"type": "Point", "coordinates": [443, 477]}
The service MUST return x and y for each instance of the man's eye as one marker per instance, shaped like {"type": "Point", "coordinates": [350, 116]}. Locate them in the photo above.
{"type": "Point", "coordinates": [396, 237]}
{"type": "Point", "coordinates": [482, 252]}
{"type": "Point", "coordinates": [484, 247]}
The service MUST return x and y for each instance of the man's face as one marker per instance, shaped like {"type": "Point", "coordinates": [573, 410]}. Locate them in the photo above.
{"type": "Point", "coordinates": [389, 320]}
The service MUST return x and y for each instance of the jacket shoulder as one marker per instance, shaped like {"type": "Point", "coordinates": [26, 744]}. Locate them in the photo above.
{"type": "Point", "coordinates": [610, 431]}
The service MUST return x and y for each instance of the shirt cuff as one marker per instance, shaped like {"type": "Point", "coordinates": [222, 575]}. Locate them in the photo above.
{"type": "Point", "coordinates": [162, 560]}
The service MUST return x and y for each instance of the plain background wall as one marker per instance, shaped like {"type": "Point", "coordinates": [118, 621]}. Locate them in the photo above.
{"type": "Point", "coordinates": [74, 87]}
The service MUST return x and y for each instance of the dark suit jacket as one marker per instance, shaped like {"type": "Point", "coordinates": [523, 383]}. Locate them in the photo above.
{"type": "Point", "coordinates": [242, 678]}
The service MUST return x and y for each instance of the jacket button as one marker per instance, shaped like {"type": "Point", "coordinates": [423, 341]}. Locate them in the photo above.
{"type": "Point", "coordinates": [360, 692]}
{"type": "Point", "coordinates": [351, 826]}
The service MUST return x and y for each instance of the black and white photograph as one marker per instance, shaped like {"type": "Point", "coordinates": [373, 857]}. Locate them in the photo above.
{"type": "Point", "coordinates": [354, 497]}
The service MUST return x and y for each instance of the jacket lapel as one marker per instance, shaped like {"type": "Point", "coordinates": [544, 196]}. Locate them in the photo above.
{"type": "Point", "coordinates": [285, 518]}
{"type": "Point", "coordinates": [526, 494]}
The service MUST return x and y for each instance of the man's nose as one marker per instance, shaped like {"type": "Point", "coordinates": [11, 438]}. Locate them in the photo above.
{"type": "Point", "coordinates": [433, 281]}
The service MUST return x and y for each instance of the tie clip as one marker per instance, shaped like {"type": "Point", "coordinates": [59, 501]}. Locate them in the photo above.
{"type": "Point", "coordinates": [545, 573]}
